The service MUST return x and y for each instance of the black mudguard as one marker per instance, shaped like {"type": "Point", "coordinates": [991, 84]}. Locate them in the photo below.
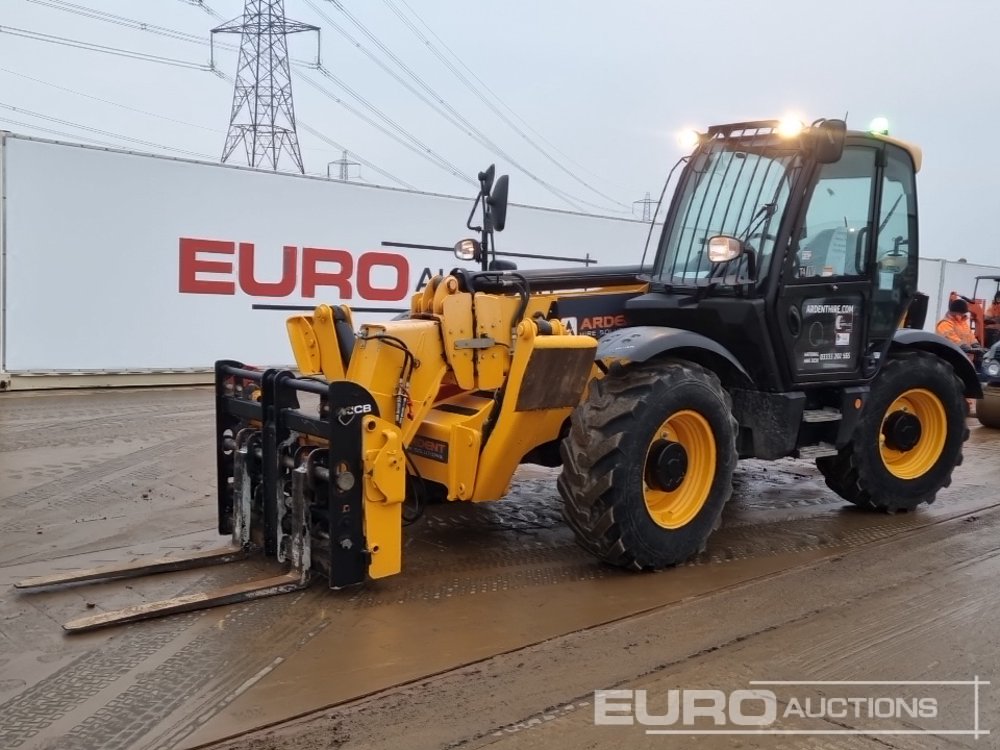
{"type": "Point", "coordinates": [911, 338]}
{"type": "Point", "coordinates": [641, 343]}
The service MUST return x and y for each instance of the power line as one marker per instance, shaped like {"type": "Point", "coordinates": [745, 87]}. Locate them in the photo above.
{"type": "Point", "coordinates": [326, 139]}
{"type": "Point", "coordinates": [107, 101]}
{"type": "Point", "coordinates": [201, 4]}
{"type": "Point", "coordinates": [99, 131]}
{"type": "Point", "coordinates": [405, 138]}
{"type": "Point", "coordinates": [149, 28]}
{"type": "Point", "coordinates": [485, 99]}
{"type": "Point", "coordinates": [193, 39]}
{"type": "Point", "coordinates": [468, 127]}
{"type": "Point", "coordinates": [78, 44]}
{"type": "Point", "coordinates": [417, 146]}
{"type": "Point", "coordinates": [125, 107]}
{"type": "Point", "coordinates": [340, 147]}
{"type": "Point", "coordinates": [101, 15]}
{"type": "Point", "coordinates": [63, 133]}
{"type": "Point", "coordinates": [183, 36]}
{"type": "Point", "coordinates": [504, 105]}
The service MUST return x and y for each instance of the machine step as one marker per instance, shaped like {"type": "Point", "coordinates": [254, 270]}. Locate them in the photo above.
{"type": "Point", "coordinates": [821, 415]}
{"type": "Point", "coordinates": [817, 451]}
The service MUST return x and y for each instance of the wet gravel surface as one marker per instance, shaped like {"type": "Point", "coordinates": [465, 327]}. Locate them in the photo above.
{"type": "Point", "coordinates": [101, 477]}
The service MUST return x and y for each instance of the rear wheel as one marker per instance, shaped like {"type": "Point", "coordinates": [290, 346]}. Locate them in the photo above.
{"type": "Point", "coordinates": [908, 439]}
{"type": "Point", "coordinates": [648, 464]}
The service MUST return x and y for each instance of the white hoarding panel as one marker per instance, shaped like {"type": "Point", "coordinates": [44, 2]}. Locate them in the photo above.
{"type": "Point", "coordinates": [961, 278]}
{"type": "Point", "coordinates": [939, 278]}
{"type": "Point", "coordinates": [120, 261]}
{"type": "Point", "coordinates": [3, 267]}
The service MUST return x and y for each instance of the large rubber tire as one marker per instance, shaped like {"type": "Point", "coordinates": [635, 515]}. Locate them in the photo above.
{"type": "Point", "coordinates": [860, 474]}
{"type": "Point", "coordinates": [988, 409]}
{"type": "Point", "coordinates": [603, 481]}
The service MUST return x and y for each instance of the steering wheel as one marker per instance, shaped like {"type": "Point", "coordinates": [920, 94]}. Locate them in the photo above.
{"type": "Point", "coordinates": [765, 236]}
{"type": "Point", "coordinates": [885, 259]}
{"type": "Point", "coordinates": [762, 235]}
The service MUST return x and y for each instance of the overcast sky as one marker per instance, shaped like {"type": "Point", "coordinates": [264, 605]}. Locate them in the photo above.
{"type": "Point", "coordinates": [604, 86]}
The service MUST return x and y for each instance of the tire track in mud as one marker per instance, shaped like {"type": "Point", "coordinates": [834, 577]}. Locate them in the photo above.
{"type": "Point", "coordinates": [131, 719]}
{"type": "Point", "coordinates": [61, 419]}
{"type": "Point", "coordinates": [119, 427]}
{"type": "Point", "coordinates": [118, 496]}
{"type": "Point", "coordinates": [62, 487]}
{"type": "Point", "coordinates": [30, 712]}
{"type": "Point", "coordinates": [566, 563]}
{"type": "Point", "coordinates": [189, 680]}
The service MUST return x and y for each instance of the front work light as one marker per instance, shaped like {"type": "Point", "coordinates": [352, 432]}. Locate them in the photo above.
{"type": "Point", "coordinates": [688, 139]}
{"type": "Point", "coordinates": [467, 249]}
{"type": "Point", "coordinates": [790, 127]}
{"type": "Point", "coordinates": [879, 125]}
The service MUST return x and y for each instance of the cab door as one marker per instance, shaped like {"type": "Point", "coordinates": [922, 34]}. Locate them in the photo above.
{"type": "Point", "coordinates": [825, 302]}
{"type": "Point", "coordinates": [896, 254]}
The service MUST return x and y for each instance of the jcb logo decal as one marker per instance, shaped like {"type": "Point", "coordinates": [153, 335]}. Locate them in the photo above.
{"type": "Point", "coordinates": [355, 409]}
{"type": "Point", "coordinates": [346, 414]}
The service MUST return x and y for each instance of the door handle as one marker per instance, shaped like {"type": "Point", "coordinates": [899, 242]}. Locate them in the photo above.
{"type": "Point", "coordinates": [794, 321]}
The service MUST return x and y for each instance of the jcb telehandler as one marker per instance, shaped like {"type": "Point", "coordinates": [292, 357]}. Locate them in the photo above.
{"type": "Point", "coordinates": [766, 325]}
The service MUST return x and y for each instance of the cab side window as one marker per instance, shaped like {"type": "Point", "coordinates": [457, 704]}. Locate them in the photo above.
{"type": "Point", "coordinates": [837, 228]}
{"type": "Point", "coordinates": [897, 222]}
{"type": "Point", "coordinates": [895, 246]}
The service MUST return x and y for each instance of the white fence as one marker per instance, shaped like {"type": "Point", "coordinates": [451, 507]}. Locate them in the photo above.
{"type": "Point", "coordinates": [121, 262]}
{"type": "Point", "coordinates": [939, 278]}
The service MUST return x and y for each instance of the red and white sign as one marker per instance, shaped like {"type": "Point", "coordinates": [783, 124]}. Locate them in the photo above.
{"type": "Point", "coordinates": [119, 261]}
{"type": "Point", "coordinates": [307, 272]}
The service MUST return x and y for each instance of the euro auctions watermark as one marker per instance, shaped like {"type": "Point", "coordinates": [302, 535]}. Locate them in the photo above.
{"type": "Point", "coordinates": [802, 707]}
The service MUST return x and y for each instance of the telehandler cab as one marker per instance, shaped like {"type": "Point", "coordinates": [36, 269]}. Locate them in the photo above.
{"type": "Point", "coordinates": [766, 325]}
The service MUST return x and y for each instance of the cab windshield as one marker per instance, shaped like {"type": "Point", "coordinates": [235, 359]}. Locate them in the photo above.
{"type": "Point", "coordinates": [730, 187]}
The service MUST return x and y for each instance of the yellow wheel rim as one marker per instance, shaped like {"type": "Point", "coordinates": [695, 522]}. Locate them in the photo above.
{"type": "Point", "coordinates": [678, 507]}
{"type": "Point", "coordinates": [918, 460]}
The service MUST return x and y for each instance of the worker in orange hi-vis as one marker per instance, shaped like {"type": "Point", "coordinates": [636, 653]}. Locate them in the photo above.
{"type": "Point", "coordinates": [955, 327]}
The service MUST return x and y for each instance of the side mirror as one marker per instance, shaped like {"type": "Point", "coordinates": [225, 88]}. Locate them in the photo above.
{"type": "Point", "coordinates": [828, 140]}
{"type": "Point", "coordinates": [722, 249]}
{"type": "Point", "coordinates": [498, 203]}
{"type": "Point", "coordinates": [468, 249]}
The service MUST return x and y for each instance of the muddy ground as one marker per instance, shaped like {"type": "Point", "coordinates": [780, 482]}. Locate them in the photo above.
{"type": "Point", "coordinates": [498, 631]}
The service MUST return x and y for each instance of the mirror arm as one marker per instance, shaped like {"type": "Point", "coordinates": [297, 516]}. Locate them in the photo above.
{"type": "Point", "coordinates": [468, 222]}
{"type": "Point", "coordinates": [487, 234]}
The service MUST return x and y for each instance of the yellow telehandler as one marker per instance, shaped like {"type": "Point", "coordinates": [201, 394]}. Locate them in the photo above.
{"type": "Point", "coordinates": [766, 325]}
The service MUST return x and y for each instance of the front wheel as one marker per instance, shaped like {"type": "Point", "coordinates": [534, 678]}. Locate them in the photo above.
{"type": "Point", "coordinates": [908, 439]}
{"type": "Point", "coordinates": [648, 464]}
